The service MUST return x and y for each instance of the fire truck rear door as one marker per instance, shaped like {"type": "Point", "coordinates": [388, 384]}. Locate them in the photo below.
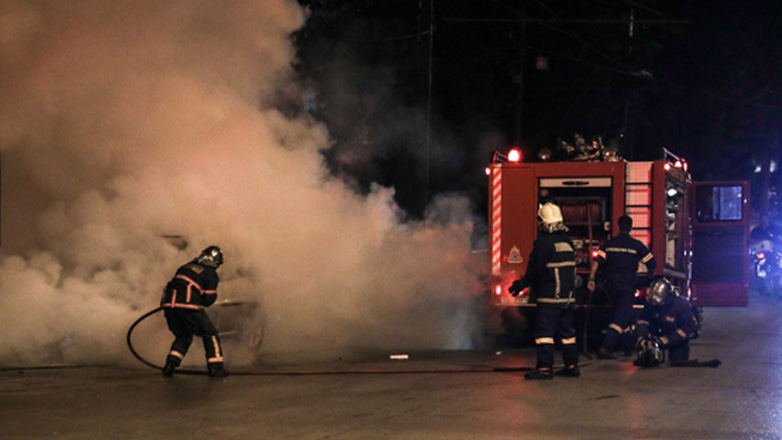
{"type": "Point", "coordinates": [720, 259]}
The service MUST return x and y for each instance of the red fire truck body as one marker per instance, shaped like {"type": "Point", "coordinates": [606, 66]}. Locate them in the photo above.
{"type": "Point", "coordinates": [659, 196]}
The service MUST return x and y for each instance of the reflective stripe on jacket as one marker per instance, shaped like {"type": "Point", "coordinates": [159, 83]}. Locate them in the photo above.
{"type": "Point", "coordinates": [551, 269]}
{"type": "Point", "coordinates": [673, 322]}
{"type": "Point", "coordinates": [194, 286]}
{"type": "Point", "coordinates": [620, 256]}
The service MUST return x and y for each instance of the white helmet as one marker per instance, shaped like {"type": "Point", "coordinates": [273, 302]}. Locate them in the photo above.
{"type": "Point", "coordinates": [551, 218]}
{"type": "Point", "coordinates": [550, 214]}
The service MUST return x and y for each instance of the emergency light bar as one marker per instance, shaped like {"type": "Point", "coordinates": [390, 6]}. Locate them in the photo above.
{"type": "Point", "coordinates": [674, 161]}
{"type": "Point", "coordinates": [513, 156]}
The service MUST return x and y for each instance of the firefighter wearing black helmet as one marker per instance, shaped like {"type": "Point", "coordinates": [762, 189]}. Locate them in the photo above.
{"type": "Point", "coordinates": [667, 320]}
{"type": "Point", "coordinates": [551, 272]}
{"type": "Point", "coordinates": [190, 291]}
{"type": "Point", "coordinates": [620, 257]}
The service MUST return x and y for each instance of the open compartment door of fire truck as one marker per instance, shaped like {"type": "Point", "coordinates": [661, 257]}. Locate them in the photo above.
{"type": "Point", "coordinates": [590, 197]}
{"type": "Point", "coordinates": [720, 261]}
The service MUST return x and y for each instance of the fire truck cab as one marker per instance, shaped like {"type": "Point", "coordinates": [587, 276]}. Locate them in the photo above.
{"type": "Point", "coordinates": [676, 218]}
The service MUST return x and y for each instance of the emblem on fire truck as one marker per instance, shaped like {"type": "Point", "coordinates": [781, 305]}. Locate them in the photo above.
{"type": "Point", "coordinates": [514, 257]}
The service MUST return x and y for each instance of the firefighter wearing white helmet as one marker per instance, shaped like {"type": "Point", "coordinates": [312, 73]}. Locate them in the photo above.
{"type": "Point", "coordinates": [551, 273]}
{"type": "Point", "coordinates": [667, 320]}
{"type": "Point", "coordinates": [550, 217]}
{"type": "Point", "coordinates": [190, 291]}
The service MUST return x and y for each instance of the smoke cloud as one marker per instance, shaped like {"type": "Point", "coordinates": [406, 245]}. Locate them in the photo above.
{"type": "Point", "coordinates": [125, 122]}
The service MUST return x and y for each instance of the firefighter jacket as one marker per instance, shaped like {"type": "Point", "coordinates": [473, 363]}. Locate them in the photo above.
{"type": "Point", "coordinates": [673, 322]}
{"type": "Point", "coordinates": [620, 257]}
{"type": "Point", "coordinates": [551, 269]}
{"type": "Point", "coordinates": [194, 287]}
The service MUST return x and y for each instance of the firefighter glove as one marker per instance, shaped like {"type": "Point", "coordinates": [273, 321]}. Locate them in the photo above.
{"type": "Point", "coordinates": [648, 342]}
{"type": "Point", "coordinates": [517, 287]}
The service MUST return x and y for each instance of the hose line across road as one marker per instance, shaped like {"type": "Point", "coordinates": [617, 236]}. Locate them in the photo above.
{"type": "Point", "coordinates": [479, 369]}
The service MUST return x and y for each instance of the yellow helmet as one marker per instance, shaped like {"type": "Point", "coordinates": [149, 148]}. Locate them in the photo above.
{"type": "Point", "coordinates": [550, 214]}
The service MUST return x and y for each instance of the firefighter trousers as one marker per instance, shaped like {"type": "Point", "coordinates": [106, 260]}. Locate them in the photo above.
{"type": "Point", "coordinates": [623, 317]}
{"type": "Point", "coordinates": [185, 324]}
{"type": "Point", "coordinates": [551, 321]}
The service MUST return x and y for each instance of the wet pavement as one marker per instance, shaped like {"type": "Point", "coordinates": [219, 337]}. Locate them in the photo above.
{"type": "Point", "coordinates": [432, 395]}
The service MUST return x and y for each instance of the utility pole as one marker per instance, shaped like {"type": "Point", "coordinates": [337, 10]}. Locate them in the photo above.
{"type": "Point", "coordinates": [518, 120]}
{"type": "Point", "coordinates": [429, 107]}
{"type": "Point", "coordinates": [629, 136]}
{"type": "Point", "coordinates": [631, 22]}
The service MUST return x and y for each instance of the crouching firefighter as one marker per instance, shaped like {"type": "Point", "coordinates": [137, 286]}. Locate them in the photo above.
{"type": "Point", "coordinates": [551, 272]}
{"type": "Point", "coordinates": [667, 322]}
{"type": "Point", "coordinates": [190, 291]}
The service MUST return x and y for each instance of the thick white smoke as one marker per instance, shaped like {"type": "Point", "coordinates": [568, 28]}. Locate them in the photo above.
{"type": "Point", "coordinates": [127, 121]}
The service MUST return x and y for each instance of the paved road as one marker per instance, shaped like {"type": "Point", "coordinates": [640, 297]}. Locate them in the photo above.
{"type": "Point", "coordinates": [612, 400]}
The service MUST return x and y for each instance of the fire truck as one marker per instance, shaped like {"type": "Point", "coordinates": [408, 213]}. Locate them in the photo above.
{"type": "Point", "coordinates": [697, 231]}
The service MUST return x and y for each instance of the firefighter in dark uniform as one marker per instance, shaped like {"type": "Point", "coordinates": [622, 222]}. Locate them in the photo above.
{"type": "Point", "coordinates": [620, 257]}
{"type": "Point", "coordinates": [667, 321]}
{"type": "Point", "coordinates": [190, 291]}
{"type": "Point", "coordinates": [551, 272]}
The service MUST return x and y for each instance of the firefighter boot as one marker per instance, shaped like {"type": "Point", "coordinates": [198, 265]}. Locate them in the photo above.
{"type": "Point", "coordinates": [571, 371]}
{"type": "Point", "coordinates": [539, 375]}
{"type": "Point", "coordinates": [168, 370]}
{"type": "Point", "coordinates": [605, 353]}
{"type": "Point", "coordinates": [217, 370]}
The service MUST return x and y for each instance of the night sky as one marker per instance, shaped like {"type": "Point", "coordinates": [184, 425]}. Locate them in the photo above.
{"type": "Point", "coordinates": [700, 78]}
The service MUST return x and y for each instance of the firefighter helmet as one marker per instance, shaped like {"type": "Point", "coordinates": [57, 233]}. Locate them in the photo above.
{"type": "Point", "coordinates": [211, 256]}
{"type": "Point", "coordinates": [550, 218]}
{"type": "Point", "coordinates": [659, 292]}
{"type": "Point", "coordinates": [550, 214]}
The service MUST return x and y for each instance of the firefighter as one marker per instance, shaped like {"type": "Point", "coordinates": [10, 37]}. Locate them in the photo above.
{"type": "Point", "coordinates": [551, 272]}
{"type": "Point", "coordinates": [667, 321]}
{"type": "Point", "coordinates": [190, 291]}
{"type": "Point", "coordinates": [620, 257]}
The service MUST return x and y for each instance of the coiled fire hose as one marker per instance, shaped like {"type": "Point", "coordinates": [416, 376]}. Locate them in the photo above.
{"type": "Point", "coordinates": [315, 372]}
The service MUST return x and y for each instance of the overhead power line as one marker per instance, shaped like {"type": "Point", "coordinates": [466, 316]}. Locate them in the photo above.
{"type": "Point", "coordinates": [644, 7]}
{"type": "Point", "coordinates": [624, 21]}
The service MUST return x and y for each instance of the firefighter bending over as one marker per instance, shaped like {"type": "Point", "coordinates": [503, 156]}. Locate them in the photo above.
{"type": "Point", "coordinates": [620, 256]}
{"type": "Point", "coordinates": [193, 288]}
{"type": "Point", "coordinates": [667, 322]}
{"type": "Point", "coordinates": [551, 272]}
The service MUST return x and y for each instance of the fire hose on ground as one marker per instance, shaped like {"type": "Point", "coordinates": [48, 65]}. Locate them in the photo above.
{"type": "Point", "coordinates": [322, 372]}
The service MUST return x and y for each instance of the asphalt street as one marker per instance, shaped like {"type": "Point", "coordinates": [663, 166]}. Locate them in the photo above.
{"type": "Point", "coordinates": [431, 395]}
